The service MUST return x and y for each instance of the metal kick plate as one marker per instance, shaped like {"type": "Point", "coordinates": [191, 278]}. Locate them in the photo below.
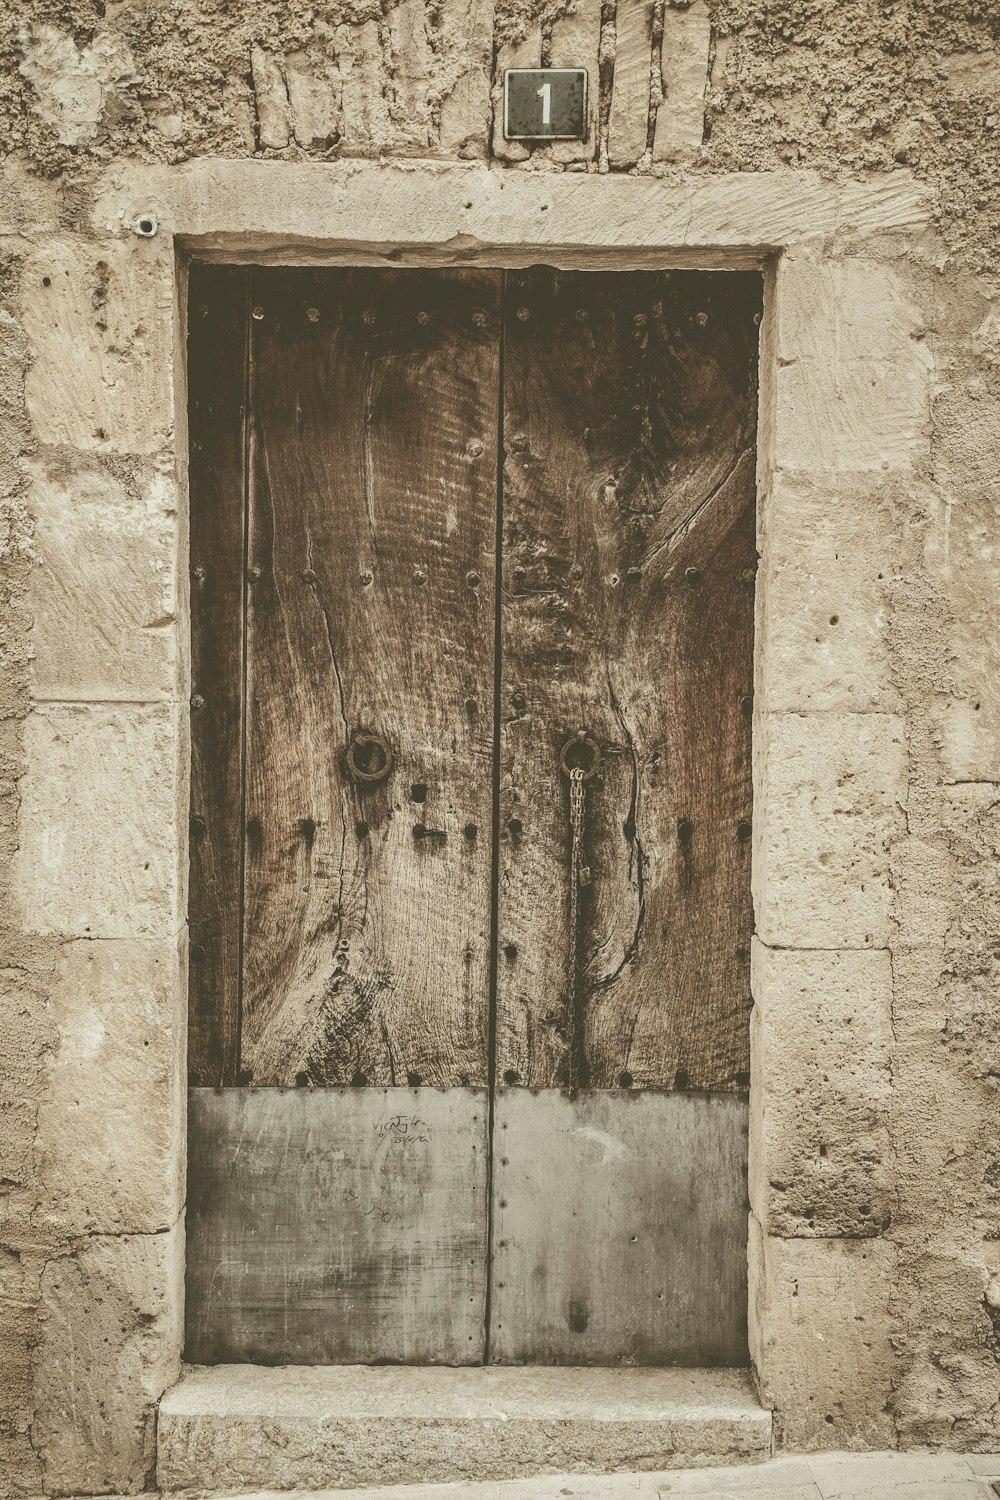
{"type": "Point", "coordinates": [544, 104]}
{"type": "Point", "coordinates": [620, 1228]}
{"type": "Point", "coordinates": [336, 1225]}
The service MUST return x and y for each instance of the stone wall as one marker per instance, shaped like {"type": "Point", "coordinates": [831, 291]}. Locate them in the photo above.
{"type": "Point", "coordinates": [875, 1236]}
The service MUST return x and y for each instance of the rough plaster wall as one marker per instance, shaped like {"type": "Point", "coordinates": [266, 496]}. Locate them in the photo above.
{"type": "Point", "coordinates": [881, 1118]}
{"type": "Point", "coordinates": [846, 88]}
{"type": "Point", "coordinates": [899, 1216]}
{"type": "Point", "coordinates": [946, 1064]}
{"type": "Point", "coordinates": [25, 965]}
{"type": "Point", "coordinates": [91, 952]}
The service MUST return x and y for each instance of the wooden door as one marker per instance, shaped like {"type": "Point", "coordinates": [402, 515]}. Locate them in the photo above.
{"type": "Point", "coordinates": [345, 1026]}
{"type": "Point", "coordinates": [622, 1028]}
{"type": "Point", "coordinates": [452, 1099]}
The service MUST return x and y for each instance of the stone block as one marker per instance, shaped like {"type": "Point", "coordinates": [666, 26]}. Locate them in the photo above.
{"type": "Point", "coordinates": [822, 610]}
{"type": "Point", "coordinates": [947, 900]}
{"type": "Point", "coordinates": [243, 1427]}
{"type": "Point", "coordinates": [821, 1159]}
{"type": "Point", "coordinates": [680, 117]}
{"type": "Point", "coordinates": [945, 1311]}
{"type": "Point", "coordinates": [110, 1346]}
{"type": "Point", "coordinates": [73, 85]}
{"type": "Point", "coordinates": [411, 70]}
{"type": "Point", "coordinates": [631, 93]}
{"type": "Point", "coordinates": [839, 311]}
{"type": "Point", "coordinates": [110, 1139]}
{"type": "Point", "coordinates": [719, 217]}
{"type": "Point", "coordinates": [26, 1031]}
{"type": "Point", "coordinates": [852, 386]}
{"type": "Point", "coordinates": [892, 1476]}
{"type": "Point", "coordinates": [15, 440]}
{"type": "Point", "coordinates": [850, 416]}
{"type": "Point", "coordinates": [830, 790]}
{"type": "Point", "coordinates": [464, 77]}
{"type": "Point", "coordinates": [20, 1467]}
{"type": "Point", "coordinates": [947, 1146]}
{"type": "Point", "coordinates": [103, 586]}
{"type": "Point", "coordinates": [274, 121]}
{"type": "Point", "coordinates": [103, 808]}
{"type": "Point", "coordinates": [363, 82]}
{"type": "Point", "coordinates": [819, 1338]}
{"type": "Point", "coordinates": [314, 98]}
{"type": "Point", "coordinates": [100, 320]}
{"type": "Point", "coordinates": [968, 568]}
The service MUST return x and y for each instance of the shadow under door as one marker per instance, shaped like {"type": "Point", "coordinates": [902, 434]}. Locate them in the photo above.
{"type": "Point", "coordinates": [473, 559]}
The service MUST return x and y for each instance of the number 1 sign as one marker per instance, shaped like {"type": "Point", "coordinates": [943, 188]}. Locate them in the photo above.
{"type": "Point", "coordinates": [544, 104]}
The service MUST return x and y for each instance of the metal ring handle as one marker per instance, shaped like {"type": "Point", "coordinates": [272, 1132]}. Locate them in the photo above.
{"type": "Point", "coordinates": [363, 741]}
{"type": "Point", "coordinates": [581, 742]}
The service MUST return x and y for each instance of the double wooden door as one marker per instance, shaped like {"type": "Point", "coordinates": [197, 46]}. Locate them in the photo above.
{"type": "Point", "coordinates": [473, 560]}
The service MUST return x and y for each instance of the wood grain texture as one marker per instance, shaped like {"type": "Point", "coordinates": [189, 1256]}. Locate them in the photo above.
{"type": "Point", "coordinates": [330, 1225]}
{"type": "Point", "coordinates": [372, 547]}
{"type": "Point", "coordinates": [620, 1228]}
{"type": "Point", "coordinates": [351, 1224]}
{"type": "Point", "coordinates": [217, 351]}
{"type": "Point", "coordinates": [628, 573]}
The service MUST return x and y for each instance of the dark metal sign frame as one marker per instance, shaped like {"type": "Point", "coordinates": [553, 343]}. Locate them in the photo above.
{"type": "Point", "coordinates": [545, 104]}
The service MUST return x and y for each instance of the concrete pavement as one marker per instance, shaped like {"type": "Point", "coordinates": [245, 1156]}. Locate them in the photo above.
{"type": "Point", "coordinates": [822, 1476]}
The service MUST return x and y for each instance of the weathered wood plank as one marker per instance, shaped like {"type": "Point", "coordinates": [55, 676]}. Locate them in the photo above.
{"type": "Point", "coordinates": [620, 1228]}
{"type": "Point", "coordinates": [217, 340]}
{"type": "Point", "coordinates": [329, 1225]}
{"type": "Point", "coordinates": [629, 557]}
{"type": "Point", "coordinates": [372, 547]}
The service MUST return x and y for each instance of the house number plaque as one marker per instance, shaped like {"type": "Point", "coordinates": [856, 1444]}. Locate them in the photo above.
{"type": "Point", "coordinates": [544, 104]}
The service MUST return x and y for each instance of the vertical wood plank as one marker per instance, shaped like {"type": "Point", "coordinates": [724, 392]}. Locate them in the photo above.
{"type": "Point", "coordinates": [217, 311]}
{"type": "Point", "coordinates": [372, 547]}
{"type": "Point", "coordinates": [628, 568]}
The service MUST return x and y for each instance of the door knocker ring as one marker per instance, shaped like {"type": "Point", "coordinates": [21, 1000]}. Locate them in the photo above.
{"type": "Point", "coordinates": [587, 753]}
{"type": "Point", "coordinates": [369, 759]}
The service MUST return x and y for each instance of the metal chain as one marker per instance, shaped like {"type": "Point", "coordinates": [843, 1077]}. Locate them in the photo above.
{"type": "Point", "coordinates": [579, 872]}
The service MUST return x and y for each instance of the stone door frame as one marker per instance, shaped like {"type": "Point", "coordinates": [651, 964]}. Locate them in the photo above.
{"type": "Point", "coordinates": [844, 411]}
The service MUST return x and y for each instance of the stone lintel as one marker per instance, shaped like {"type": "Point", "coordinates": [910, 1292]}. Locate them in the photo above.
{"type": "Point", "coordinates": [458, 214]}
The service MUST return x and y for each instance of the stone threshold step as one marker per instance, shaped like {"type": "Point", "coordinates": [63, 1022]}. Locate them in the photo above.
{"type": "Point", "coordinates": [248, 1427]}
